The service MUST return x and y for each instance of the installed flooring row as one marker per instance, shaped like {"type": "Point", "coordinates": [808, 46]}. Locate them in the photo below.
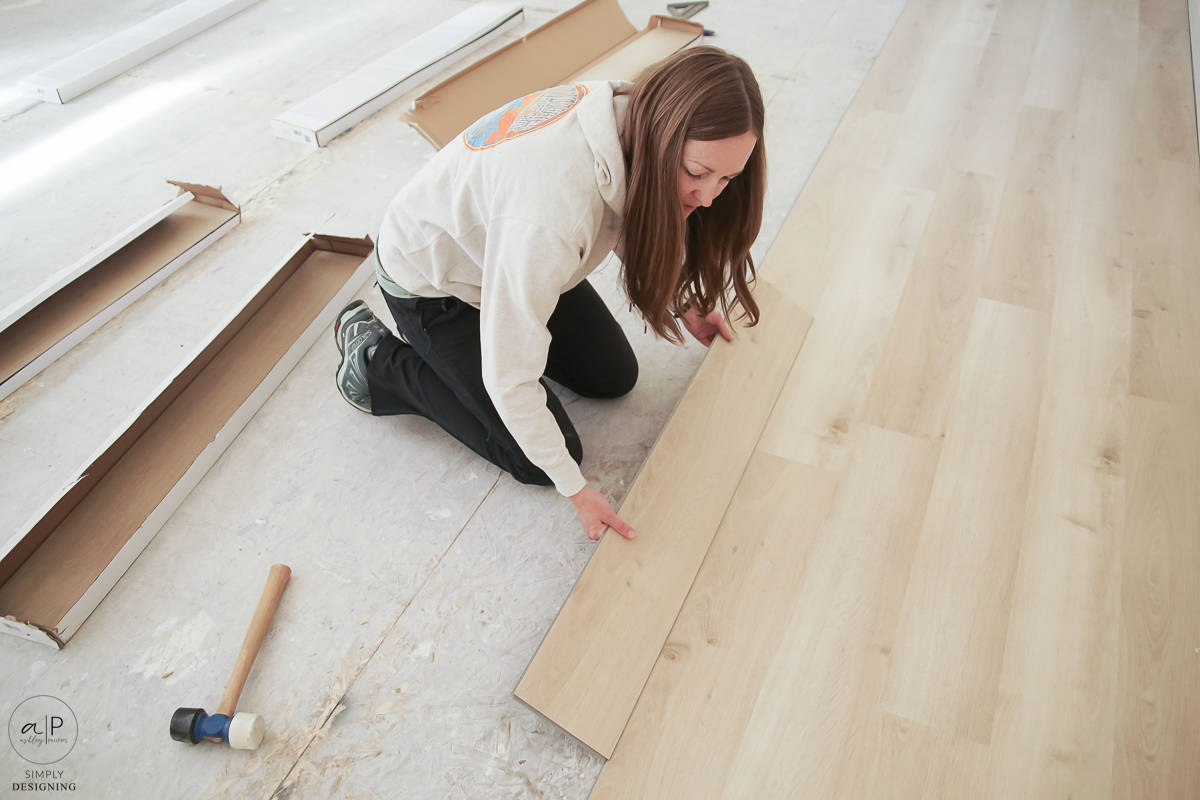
{"type": "Point", "coordinates": [958, 551]}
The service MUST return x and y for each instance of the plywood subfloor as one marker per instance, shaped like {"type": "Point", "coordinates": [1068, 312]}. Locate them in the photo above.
{"type": "Point", "coordinates": [965, 557]}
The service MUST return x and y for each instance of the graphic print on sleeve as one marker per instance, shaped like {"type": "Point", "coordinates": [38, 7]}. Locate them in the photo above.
{"type": "Point", "coordinates": [522, 116]}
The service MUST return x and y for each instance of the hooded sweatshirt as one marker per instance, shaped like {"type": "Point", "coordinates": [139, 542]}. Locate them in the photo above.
{"type": "Point", "coordinates": [514, 212]}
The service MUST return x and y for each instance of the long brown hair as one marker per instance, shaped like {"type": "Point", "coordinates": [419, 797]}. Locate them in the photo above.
{"type": "Point", "coordinates": [700, 93]}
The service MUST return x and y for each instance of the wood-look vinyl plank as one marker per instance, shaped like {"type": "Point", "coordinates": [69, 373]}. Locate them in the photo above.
{"type": "Point", "coordinates": [971, 22]}
{"type": "Point", "coordinates": [930, 121]}
{"type": "Point", "coordinates": [1020, 18]}
{"type": "Point", "coordinates": [595, 659]}
{"type": "Point", "coordinates": [1029, 241]}
{"type": "Point", "coordinates": [810, 568]}
{"type": "Point", "coordinates": [1089, 346]}
{"type": "Point", "coordinates": [1058, 62]}
{"type": "Point", "coordinates": [1165, 101]}
{"type": "Point", "coordinates": [904, 57]}
{"type": "Point", "coordinates": [762, 551]}
{"type": "Point", "coordinates": [1111, 41]}
{"type": "Point", "coordinates": [1166, 287]}
{"type": "Point", "coordinates": [954, 620]}
{"type": "Point", "coordinates": [804, 712]}
{"type": "Point", "coordinates": [832, 375]}
{"type": "Point", "coordinates": [987, 127]}
{"type": "Point", "coordinates": [998, 249]}
{"type": "Point", "coordinates": [917, 373]}
{"type": "Point", "coordinates": [821, 225]}
{"type": "Point", "coordinates": [905, 760]}
{"type": "Point", "coordinates": [1055, 718]}
{"type": "Point", "coordinates": [1157, 735]}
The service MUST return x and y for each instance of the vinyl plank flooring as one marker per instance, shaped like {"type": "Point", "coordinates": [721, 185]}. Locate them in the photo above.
{"type": "Point", "coordinates": [915, 381]}
{"type": "Point", "coordinates": [796, 556]}
{"type": "Point", "coordinates": [954, 620]}
{"type": "Point", "coordinates": [630, 592]}
{"type": "Point", "coordinates": [1154, 751]}
{"type": "Point", "coordinates": [828, 385]}
{"type": "Point", "coordinates": [964, 560]}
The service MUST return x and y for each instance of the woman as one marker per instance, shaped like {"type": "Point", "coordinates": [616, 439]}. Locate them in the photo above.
{"type": "Point", "coordinates": [483, 256]}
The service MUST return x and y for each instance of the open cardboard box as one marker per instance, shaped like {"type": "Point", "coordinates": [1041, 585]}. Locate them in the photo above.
{"type": "Point", "coordinates": [341, 105]}
{"type": "Point", "coordinates": [37, 329]}
{"type": "Point", "coordinates": [57, 569]}
{"type": "Point", "coordinates": [594, 40]}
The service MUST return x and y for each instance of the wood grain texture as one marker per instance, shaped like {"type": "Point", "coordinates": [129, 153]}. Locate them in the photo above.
{"type": "Point", "coordinates": [763, 550]}
{"type": "Point", "coordinates": [954, 620]}
{"type": "Point", "coordinates": [996, 419]}
{"type": "Point", "coordinates": [594, 661]}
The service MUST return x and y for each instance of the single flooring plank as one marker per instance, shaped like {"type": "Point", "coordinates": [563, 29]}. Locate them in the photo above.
{"type": "Point", "coordinates": [591, 667]}
{"type": "Point", "coordinates": [1091, 324]}
{"type": "Point", "coordinates": [1111, 41]}
{"type": "Point", "coordinates": [1058, 63]}
{"type": "Point", "coordinates": [1165, 107]}
{"type": "Point", "coordinates": [1029, 243]}
{"type": "Point", "coordinates": [1158, 729]}
{"type": "Point", "coordinates": [946, 664]}
{"type": "Point", "coordinates": [1164, 210]}
{"type": "Point", "coordinates": [905, 760]}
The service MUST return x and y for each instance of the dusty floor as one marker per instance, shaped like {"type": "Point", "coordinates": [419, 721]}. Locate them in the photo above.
{"type": "Point", "coordinates": [423, 578]}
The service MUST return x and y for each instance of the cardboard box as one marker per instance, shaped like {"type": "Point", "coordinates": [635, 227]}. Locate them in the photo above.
{"type": "Point", "coordinates": [591, 41]}
{"type": "Point", "coordinates": [40, 327]}
{"type": "Point", "coordinates": [92, 66]}
{"type": "Point", "coordinates": [342, 105]}
{"type": "Point", "coordinates": [56, 569]}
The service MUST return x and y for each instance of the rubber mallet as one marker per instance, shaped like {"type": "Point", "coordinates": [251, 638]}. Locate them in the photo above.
{"type": "Point", "coordinates": [243, 731]}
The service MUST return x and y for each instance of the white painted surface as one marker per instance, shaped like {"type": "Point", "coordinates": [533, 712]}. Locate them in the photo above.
{"type": "Point", "coordinates": [72, 76]}
{"type": "Point", "coordinates": [51, 354]}
{"type": "Point", "coordinates": [423, 580]}
{"type": "Point", "coordinates": [338, 107]}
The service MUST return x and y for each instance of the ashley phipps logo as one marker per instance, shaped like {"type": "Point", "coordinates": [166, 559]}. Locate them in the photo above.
{"type": "Point", "coordinates": [43, 729]}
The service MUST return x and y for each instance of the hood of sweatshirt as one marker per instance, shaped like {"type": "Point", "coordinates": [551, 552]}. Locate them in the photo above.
{"type": "Point", "coordinates": [596, 119]}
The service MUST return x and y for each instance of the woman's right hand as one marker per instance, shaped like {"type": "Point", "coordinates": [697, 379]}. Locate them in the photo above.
{"type": "Point", "coordinates": [595, 514]}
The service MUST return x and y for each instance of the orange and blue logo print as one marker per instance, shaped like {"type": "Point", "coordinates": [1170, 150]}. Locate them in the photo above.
{"type": "Point", "coordinates": [524, 115]}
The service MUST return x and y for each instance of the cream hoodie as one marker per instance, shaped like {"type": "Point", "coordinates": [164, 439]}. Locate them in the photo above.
{"type": "Point", "coordinates": [518, 209]}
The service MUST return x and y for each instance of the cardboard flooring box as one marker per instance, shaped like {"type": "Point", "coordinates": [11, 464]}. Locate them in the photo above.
{"type": "Point", "coordinates": [593, 40]}
{"type": "Point", "coordinates": [92, 66]}
{"type": "Point", "coordinates": [57, 568]}
{"type": "Point", "coordinates": [38, 328]}
{"type": "Point", "coordinates": [337, 108]}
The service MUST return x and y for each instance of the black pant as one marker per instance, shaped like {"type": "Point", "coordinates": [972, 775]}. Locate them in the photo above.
{"type": "Point", "coordinates": [439, 376]}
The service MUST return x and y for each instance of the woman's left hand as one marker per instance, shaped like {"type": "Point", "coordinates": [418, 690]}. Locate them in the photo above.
{"type": "Point", "coordinates": [706, 327]}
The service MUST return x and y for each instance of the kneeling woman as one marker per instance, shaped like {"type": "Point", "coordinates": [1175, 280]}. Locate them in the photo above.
{"type": "Point", "coordinates": [484, 255]}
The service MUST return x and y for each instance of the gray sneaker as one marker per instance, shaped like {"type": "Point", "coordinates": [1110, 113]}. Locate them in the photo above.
{"type": "Point", "coordinates": [356, 330]}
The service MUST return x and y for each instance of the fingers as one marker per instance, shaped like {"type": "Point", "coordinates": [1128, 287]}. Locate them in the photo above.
{"type": "Point", "coordinates": [723, 327]}
{"type": "Point", "coordinates": [621, 526]}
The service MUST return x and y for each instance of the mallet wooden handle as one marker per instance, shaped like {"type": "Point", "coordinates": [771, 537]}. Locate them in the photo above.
{"type": "Point", "coordinates": [267, 604]}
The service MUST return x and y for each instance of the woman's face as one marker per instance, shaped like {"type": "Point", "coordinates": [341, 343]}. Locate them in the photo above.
{"type": "Point", "coordinates": [709, 166]}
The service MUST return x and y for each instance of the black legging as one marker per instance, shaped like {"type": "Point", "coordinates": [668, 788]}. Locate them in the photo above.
{"type": "Point", "coordinates": [439, 376]}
